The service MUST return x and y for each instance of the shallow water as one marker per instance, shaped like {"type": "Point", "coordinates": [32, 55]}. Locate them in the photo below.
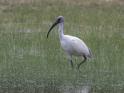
{"type": "Point", "coordinates": [52, 89]}
{"type": "Point", "coordinates": [83, 89]}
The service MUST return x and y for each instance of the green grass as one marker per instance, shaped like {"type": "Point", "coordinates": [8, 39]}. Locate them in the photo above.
{"type": "Point", "coordinates": [30, 63]}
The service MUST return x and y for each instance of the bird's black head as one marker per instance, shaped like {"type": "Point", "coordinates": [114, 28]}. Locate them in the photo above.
{"type": "Point", "coordinates": [59, 19]}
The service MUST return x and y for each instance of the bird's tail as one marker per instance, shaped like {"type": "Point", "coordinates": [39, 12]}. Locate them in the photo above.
{"type": "Point", "coordinates": [91, 54]}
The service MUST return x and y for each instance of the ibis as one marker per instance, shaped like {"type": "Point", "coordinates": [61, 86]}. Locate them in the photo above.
{"type": "Point", "coordinates": [73, 46]}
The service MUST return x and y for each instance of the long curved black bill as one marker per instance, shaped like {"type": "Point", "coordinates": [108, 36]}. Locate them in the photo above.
{"type": "Point", "coordinates": [54, 24]}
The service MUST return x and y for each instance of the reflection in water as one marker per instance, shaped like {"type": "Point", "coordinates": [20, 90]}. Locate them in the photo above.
{"type": "Point", "coordinates": [83, 89]}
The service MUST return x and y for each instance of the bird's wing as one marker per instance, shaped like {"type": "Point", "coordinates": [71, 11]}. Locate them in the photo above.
{"type": "Point", "coordinates": [78, 45]}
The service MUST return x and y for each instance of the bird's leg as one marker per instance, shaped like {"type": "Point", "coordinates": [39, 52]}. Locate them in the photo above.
{"type": "Point", "coordinates": [71, 63]}
{"type": "Point", "coordinates": [70, 60]}
{"type": "Point", "coordinates": [85, 58]}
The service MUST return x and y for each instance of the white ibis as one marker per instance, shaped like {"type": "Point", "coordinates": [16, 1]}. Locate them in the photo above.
{"type": "Point", "coordinates": [72, 45]}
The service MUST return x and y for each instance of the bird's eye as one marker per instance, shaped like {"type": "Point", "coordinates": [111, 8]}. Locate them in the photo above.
{"type": "Point", "coordinates": [58, 20]}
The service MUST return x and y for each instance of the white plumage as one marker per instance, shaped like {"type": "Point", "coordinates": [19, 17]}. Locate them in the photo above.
{"type": "Point", "coordinates": [72, 45]}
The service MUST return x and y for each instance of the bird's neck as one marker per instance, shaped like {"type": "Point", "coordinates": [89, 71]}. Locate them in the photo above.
{"type": "Point", "coordinates": [61, 30]}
